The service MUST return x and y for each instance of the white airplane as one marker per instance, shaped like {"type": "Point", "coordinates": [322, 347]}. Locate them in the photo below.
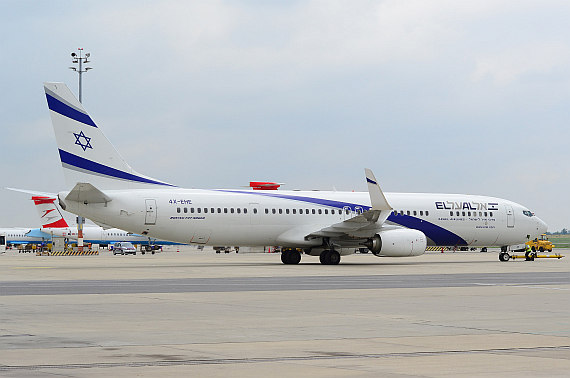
{"type": "Point", "coordinates": [325, 224]}
{"type": "Point", "coordinates": [21, 235]}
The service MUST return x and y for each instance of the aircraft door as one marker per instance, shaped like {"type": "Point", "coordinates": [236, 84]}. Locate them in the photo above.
{"type": "Point", "coordinates": [254, 213]}
{"type": "Point", "coordinates": [346, 212]}
{"type": "Point", "coordinates": [150, 214]}
{"type": "Point", "coordinates": [2, 243]}
{"type": "Point", "coordinates": [510, 216]}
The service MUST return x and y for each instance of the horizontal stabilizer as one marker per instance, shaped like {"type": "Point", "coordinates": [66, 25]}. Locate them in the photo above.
{"type": "Point", "coordinates": [87, 193]}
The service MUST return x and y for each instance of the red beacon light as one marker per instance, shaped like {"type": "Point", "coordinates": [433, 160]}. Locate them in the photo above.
{"type": "Point", "coordinates": [263, 185]}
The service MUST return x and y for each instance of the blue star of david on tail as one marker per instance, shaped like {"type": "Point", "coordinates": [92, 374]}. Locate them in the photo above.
{"type": "Point", "coordinates": [87, 143]}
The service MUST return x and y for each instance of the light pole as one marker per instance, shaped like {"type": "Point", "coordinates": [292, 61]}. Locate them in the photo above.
{"type": "Point", "coordinates": [80, 59]}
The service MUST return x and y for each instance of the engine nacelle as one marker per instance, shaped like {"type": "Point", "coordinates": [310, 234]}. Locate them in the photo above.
{"type": "Point", "coordinates": [398, 243]}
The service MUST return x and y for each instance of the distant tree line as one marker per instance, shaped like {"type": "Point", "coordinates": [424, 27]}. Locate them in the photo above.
{"type": "Point", "coordinates": [563, 232]}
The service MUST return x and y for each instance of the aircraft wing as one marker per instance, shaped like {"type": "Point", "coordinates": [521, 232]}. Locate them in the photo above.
{"type": "Point", "coordinates": [363, 225]}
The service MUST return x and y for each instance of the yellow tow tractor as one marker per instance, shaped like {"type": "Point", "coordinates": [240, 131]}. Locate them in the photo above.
{"type": "Point", "coordinates": [541, 245]}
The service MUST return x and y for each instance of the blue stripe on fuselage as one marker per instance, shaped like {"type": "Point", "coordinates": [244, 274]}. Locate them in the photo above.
{"type": "Point", "coordinates": [65, 110]}
{"type": "Point", "coordinates": [439, 235]}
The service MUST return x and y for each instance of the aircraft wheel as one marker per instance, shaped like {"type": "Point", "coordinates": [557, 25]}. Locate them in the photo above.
{"type": "Point", "coordinates": [289, 256]}
{"type": "Point", "coordinates": [504, 256]}
{"type": "Point", "coordinates": [334, 258]}
{"type": "Point", "coordinates": [324, 257]}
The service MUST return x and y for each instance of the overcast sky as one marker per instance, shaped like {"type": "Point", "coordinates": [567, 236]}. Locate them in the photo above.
{"type": "Point", "coordinates": [433, 96]}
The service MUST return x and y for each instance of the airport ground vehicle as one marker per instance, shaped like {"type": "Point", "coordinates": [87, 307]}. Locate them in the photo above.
{"type": "Point", "coordinates": [124, 248]}
{"type": "Point", "coordinates": [542, 244]}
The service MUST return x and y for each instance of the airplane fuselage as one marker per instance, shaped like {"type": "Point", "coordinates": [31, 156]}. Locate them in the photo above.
{"type": "Point", "coordinates": [252, 218]}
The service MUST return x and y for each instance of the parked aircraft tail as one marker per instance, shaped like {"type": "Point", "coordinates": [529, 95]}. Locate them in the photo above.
{"type": "Point", "coordinates": [86, 154]}
{"type": "Point", "coordinates": [50, 216]}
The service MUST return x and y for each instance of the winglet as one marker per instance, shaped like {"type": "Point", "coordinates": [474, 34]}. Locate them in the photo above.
{"type": "Point", "coordinates": [377, 198]}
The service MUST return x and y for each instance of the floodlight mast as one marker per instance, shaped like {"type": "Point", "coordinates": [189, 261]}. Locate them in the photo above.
{"type": "Point", "coordinates": [80, 59]}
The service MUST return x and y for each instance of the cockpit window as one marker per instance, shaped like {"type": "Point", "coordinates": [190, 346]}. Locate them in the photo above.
{"type": "Point", "coordinates": [527, 213]}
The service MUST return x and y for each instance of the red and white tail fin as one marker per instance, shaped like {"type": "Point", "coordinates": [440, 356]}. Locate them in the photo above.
{"type": "Point", "coordinates": [50, 216]}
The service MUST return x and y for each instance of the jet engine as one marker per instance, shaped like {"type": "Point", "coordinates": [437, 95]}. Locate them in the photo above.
{"type": "Point", "coordinates": [397, 243]}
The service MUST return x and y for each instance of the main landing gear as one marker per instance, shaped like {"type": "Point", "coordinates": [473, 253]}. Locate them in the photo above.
{"type": "Point", "coordinates": [329, 257]}
{"type": "Point", "coordinates": [290, 256]}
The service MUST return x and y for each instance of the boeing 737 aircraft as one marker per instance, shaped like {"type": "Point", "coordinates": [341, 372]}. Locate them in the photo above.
{"type": "Point", "coordinates": [325, 224]}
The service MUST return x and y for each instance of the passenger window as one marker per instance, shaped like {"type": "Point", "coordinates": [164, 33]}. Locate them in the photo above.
{"type": "Point", "coordinates": [320, 211]}
{"type": "Point", "coordinates": [219, 210]}
{"type": "Point", "coordinates": [245, 211]}
{"type": "Point", "coordinates": [238, 210]}
{"type": "Point", "coordinates": [266, 211]}
{"type": "Point", "coordinates": [347, 211]}
{"type": "Point", "coordinates": [469, 213]}
{"type": "Point", "coordinates": [212, 210]}
{"type": "Point", "coordinates": [225, 210]}
{"type": "Point", "coordinates": [313, 211]}
{"type": "Point", "coordinates": [205, 210]}
{"type": "Point", "coordinates": [273, 211]}
{"type": "Point", "coordinates": [326, 211]}
{"type": "Point", "coordinates": [286, 211]}
{"type": "Point", "coordinates": [185, 209]}
{"type": "Point", "coordinates": [294, 211]}
{"type": "Point", "coordinates": [490, 213]}
{"type": "Point", "coordinates": [231, 210]}
{"type": "Point", "coordinates": [457, 213]}
{"type": "Point", "coordinates": [199, 210]}
{"type": "Point", "coordinates": [177, 209]}
{"type": "Point", "coordinates": [421, 213]}
{"type": "Point", "coordinates": [254, 210]}
{"type": "Point", "coordinates": [415, 213]}
{"type": "Point", "coordinates": [280, 211]}
{"type": "Point", "coordinates": [408, 212]}
{"type": "Point", "coordinates": [427, 213]}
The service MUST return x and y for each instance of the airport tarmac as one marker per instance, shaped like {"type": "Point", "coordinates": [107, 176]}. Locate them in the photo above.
{"type": "Point", "coordinates": [197, 313]}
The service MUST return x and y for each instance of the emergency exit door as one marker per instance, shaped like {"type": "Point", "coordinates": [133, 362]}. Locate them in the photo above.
{"type": "Point", "coordinates": [150, 215]}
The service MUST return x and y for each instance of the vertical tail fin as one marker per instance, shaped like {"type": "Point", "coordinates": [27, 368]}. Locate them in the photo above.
{"type": "Point", "coordinates": [86, 154]}
{"type": "Point", "coordinates": [50, 216]}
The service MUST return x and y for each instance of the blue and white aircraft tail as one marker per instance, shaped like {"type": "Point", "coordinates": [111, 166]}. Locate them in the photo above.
{"type": "Point", "coordinates": [85, 152]}
{"type": "Point", "coordinates": [325, 224]}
